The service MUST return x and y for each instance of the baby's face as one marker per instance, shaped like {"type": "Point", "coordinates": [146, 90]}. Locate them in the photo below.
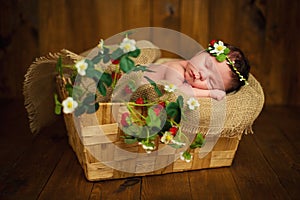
{"type": "Point", "coordinates": [203, 71]}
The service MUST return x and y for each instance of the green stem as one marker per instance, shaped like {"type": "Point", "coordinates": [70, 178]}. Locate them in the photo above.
{"type": "Point", "coordinates": [137, 115]}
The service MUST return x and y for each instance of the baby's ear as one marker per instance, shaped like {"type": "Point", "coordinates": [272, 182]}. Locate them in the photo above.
{"type": "Point", "coordinates": [217, 94]}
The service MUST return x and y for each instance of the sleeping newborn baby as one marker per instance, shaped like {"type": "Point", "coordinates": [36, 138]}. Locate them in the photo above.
{"type": "Point", "coordinates": [206, 74]}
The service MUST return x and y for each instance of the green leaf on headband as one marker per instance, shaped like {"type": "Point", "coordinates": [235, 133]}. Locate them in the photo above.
{"type": "Point", "coordinates": [221, 57]}
{"type": "Point", "coordinates": [226, 51]}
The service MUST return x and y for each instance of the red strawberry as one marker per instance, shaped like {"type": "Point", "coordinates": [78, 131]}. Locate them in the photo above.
{"type": "Point", "coordinates": [115, 62]}
{"type": "Point", "coordinates": [162, 103]}
{"type": "Point", "coordinates": [212, 42]}
{"type": "Point", "coordinates": [173, 130]}
{"type": "Point", "coordinates": [139, 100]}
{"type": "Point", "coordinates": [124, 119]}
{"type": "Point", "coordinates": [115, 75]}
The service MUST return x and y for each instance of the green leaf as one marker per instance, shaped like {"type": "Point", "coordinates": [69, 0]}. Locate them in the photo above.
{"type": "Point", "coordinates": [101, 88]}
{"type": "Point", "coordinates": [57, 109]}
{"type": "Point", "coordinates": [90, 63]}
{"type": "Point", "coordinates": [156, 89]}
{"type": "Point", "coordinates": [89, 99]}
{"type": "Point", "coordinates": [105, 81]}
{"type": "Point", "coordinates": [58, 105]}
{"type": "Point", "coordinates": [187, 155]}
{"type": "Point", "coordinates": [141, 68]}
{"type": "Point", "coordinates": [175, 146]}
{"type": "Point", "coordinates": [117, 54]}
{"type": "Point", "coordinates": [172, 109]}
{"type": "Point", "coordinates": [106, 59]}
{"type": "Point", "coordinates": [130, 141]}
{"type": "Point", "coordinates": [126, 64]}
{"type": "Point", "coordinates": [198, 141]}
{"type": "Point", "coordinates": [221, 57]}
{"type": "Point", "coordinates": [226, 51]}
{"type": "Point", "coordinates": [133, 130]}
{"type": "Point", "coordinates": [92, 108]}
{"type": "Point", "coordinates": [106, 78]}
{"type": "Point", "coordinates": [77, 92]}
{"type": "Point", "coordinates": [179, 101]}
{"type": "Point", "coordinates": [199, 138]}
{"type": "Point", "coordinates": [152, 119]}
{"type": "Point", "coordinates": [80, 110]}
{"type": "Point", "coordinates": [134, 53]}
{"type": "Point", "coordinates": [97, 58]}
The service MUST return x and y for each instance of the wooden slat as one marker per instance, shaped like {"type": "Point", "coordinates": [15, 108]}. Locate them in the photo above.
{"type": "Point", "coordinates": [117, 189]}
{"type": "Point", "coordinates": [136, 14]}
{"type": "Point", "coordinates": [166, 14]}
{"type": "Point", "coordinates": [27, 177]}
{"type": "Point", "coordinates": [13, 142]}
{"type": "Point", "coordinates": [254, 175]}
{"type": "Point", "coordinates": [213, 184]}
{"type": "Point", "coordinates": [71, 178]}
{"type": "Point", "coordinates": [288, 127]}
{"type": "Point", "coordinates": [222, 20]}
{"type": "Point", "coordinates": [194, 20]}
{"type": "Point", "coordinates": [281, 153]}
{"type": "Point", "coordinates": [170, 186]}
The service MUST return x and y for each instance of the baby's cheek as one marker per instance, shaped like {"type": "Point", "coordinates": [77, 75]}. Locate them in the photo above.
{"type": "Point", "coordinates": [200, 84]}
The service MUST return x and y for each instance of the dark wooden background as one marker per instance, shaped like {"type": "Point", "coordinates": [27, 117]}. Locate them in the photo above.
{"type": "Point", "coordinates": [267, 31]}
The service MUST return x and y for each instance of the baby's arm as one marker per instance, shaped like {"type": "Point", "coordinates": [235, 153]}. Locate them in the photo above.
{"type": "Point", "coordinates": [214, 93]}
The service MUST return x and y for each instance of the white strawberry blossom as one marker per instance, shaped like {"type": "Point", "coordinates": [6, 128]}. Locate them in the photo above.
{"type": "Point", "coordinates": [101, 46]}
{"type": "Point", "coordinates": [81, 67]}
{"type": "Point", "coordinates": [170, 88]}
{"type": "Point", "coordinates": [69, 105]}
{"type": "Point", "coordinates": [167, 137]}
{"type": "Point", "coordinates": [193, 103]}
{"type": "Point", "coordinates": [128, 45]}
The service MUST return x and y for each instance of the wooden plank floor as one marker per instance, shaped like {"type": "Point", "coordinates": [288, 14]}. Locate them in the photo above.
{"type": "Point", "coordinates": [266, 166]}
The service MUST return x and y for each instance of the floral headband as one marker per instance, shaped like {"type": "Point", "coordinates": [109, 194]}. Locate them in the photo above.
{"type": "Point", "coordinates": [217, 49]}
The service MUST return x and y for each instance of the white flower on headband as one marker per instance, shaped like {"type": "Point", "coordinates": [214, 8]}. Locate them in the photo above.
{"type": "Point", "coordinates": [219, 48]}
{"type": "Point", "coordinates": [69, 105]}
{"type": "Point", "coordinates": [128, 45]}
{"type": "Point", "coordinates": [81, 67]}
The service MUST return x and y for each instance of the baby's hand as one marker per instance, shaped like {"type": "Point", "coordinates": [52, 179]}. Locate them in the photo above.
{"type": "Point", "coordinates": [217, 94]}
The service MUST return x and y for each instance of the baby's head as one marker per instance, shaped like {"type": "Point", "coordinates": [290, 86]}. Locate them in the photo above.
{"type": "Point", "coordinates": [240, 74]}
{"type": "Point", "coordinates": [221, 66]}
